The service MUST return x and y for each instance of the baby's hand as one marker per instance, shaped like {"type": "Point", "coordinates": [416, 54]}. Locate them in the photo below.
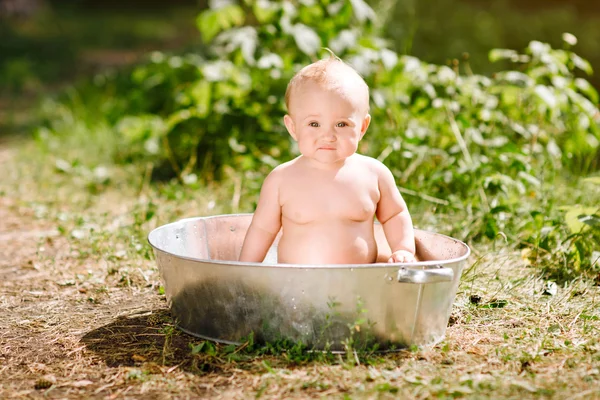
{"type": "Point", "coordinates": [402, 256]}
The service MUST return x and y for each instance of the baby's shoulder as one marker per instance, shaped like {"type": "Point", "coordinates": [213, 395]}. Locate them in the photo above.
{"type": "Point", "coordinates": [286, 167]}
{"type": "Point", "coordinates": [282, 171]}
{"type": "Point", "coordinates": [372, 164]}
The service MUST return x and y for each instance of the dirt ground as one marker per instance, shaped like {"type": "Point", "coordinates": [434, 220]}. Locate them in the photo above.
{"type": "Point", "coordinates": [48, 323]}
{"type": "Point", "coordinates": [79, 324]}
{"type": "Point", "coordinates": [71, 328]}
{"type": "Point", "coordinates": [60, 336]}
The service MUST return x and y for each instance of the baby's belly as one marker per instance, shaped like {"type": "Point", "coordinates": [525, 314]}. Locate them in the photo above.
{"type": "Point", "coordinates": [341, 242]}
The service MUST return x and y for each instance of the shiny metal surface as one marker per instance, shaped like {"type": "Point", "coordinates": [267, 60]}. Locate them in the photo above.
{"type": "Point", "coordinates": [381, 306]}
{"type": "Point", "coordinates": [426, 274]}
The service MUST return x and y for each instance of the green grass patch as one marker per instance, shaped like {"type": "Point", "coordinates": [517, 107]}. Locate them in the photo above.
{"type": "Point", "coordinates": [508, 335]}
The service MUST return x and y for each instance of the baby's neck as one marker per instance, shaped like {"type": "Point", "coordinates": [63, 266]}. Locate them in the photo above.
{"type": "Point", "coordinates": [312, 163]}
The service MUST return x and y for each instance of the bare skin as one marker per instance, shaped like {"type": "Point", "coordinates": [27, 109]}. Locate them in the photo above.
{"type": "Point", "coordinates": [326, 199]}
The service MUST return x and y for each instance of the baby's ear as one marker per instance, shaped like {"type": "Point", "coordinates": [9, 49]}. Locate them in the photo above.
{"type": "Point", "coordinates": [289, 124]}
{"type": "Point", "coordinates": [365, 125]}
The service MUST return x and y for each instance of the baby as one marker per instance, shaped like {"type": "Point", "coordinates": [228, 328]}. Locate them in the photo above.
{"type": "Point", "coordinates": [326, 198]}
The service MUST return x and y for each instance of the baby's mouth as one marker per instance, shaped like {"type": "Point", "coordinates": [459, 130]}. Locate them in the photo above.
{"type": "Point", "coordinates": [326, 148]}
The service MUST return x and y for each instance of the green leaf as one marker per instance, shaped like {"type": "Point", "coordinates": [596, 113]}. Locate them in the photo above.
{"type": "Point", "coordinates": [201, 94]}
{"type": "Point", "coordinates": [229, 348]}
{"type": "Point", "coordinates": [538, 48]}
{"type": "Point", "coordinates": [179, 116]}
{"type": "Point", "coordinates": [63, 166]}
{"type": "Point", "coordinates": [502, 54]}
{"type": "Point", "coordinates": [362, 11]}
{"type": "Point", "coordinates": [140, 128]}
{"type": "Point", "coordinates": [197, 348]}
{"type": "Point", "coordinates": [491, 227]}
{"type": "Point", "coordinates": [499, 209]}
{"type": "Point", "coordinates": [515, 77]}
{"type": "Point", "coordinates": [582, 64]}
{"type": "Point", "coordinates": [547, 95]}
{"type": "Point", "coordinates": [306, 39]}
{"type": "Point", "coordinates": [236, 146]}
{"type": "Point", "coordinates": [208, 24]}
{"type": "Point", "coordinates": [213, 21]}
{"type": "Point", "coordinates": [245, 38]}
{"type": "Point", "coordinates": [495, 303]}
{"type": "Point", "coordinates": [572, 217]}
{"type": "Point", "coordinates": [265, 11]}
{"type": "Point", "coordinates": [591, 220]}
{"type": "Point", "coordinates": [586, 88]}
{"type": "Point", "coordinates": [529, 178]}
{"type": "Point", "coordinates": [510, 95]}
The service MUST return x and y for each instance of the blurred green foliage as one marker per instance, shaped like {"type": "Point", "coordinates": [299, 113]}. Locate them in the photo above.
{"type": "Point", "coordinates": [442, 30]}
{"type": "Point", "coordinates": [479, 146]}
{"type": "Point", "coordinates": [57, 42]}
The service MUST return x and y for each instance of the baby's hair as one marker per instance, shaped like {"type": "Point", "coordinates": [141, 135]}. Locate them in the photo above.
{"type": "Point", "coordinates": [332, 54]}
{"type": "Point", "coordinates": [319, 73]}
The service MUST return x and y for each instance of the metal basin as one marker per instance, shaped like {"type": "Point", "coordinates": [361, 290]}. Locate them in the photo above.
{"type": "Point", "coordinates": [362, 306]}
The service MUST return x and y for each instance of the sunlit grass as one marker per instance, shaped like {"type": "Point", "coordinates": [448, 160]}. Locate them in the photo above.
{"type": "Point", "coordinates": [508, 337]}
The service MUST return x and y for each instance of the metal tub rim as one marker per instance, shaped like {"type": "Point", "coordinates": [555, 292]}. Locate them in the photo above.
{"type": "Point", "coordinates": [301, 266]}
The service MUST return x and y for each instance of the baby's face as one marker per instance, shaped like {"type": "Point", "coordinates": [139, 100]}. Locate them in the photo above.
{"type": "Point", "coordinates": [326, 124]}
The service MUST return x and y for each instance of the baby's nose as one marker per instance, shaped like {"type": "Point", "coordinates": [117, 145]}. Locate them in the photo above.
{"type": "Point", "coordinates": [330, 135]}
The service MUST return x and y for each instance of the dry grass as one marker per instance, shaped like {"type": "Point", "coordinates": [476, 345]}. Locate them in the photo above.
{"type": "Point", "coordinates": [83, 317]}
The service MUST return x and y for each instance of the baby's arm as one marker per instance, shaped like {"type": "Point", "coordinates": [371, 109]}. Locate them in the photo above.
{"type": "Point", "coordinates": [393, 215]}
{"type": "Point", "coordinates": [266, 221]}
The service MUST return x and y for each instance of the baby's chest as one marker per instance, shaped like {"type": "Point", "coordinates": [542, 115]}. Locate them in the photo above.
{"type": "Point", "coordinates": [307, 201]}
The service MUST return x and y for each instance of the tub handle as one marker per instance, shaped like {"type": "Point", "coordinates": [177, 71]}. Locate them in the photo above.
{"type": "Point", "coordinates": [429, 274]}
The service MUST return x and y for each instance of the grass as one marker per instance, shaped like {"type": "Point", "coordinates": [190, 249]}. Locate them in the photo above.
{"type": "Point", "coordinates": [83, 309]}
{"type": "Point", "coordinates": [84, 315]}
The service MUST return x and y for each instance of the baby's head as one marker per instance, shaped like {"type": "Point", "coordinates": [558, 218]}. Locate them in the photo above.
{"type": "Point", "coordinates": [331, 74]}
{"type": "Point", "coordinates": [328, 106]}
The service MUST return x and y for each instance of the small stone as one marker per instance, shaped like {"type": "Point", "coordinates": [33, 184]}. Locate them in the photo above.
{"type": "Point", "coordinates": [550, 288]}
{"type": "Point", "coordinates": [42, 383]}
{"type": "Point", "coordinates": [82, 383]}
{"type": "Point", "coordinates": [475, 299]}
{"type": "Point", "coordinates": [138, 358]}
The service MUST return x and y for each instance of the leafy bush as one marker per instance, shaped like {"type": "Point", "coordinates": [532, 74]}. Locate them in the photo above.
{"type": "Point", "coordinates": [478, 145]}
{"type": "Point", "coordinates": [489, 140]}
{"type": "Point", "coordinates": [190, 113]}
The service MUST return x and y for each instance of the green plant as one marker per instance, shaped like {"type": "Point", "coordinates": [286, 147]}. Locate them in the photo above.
{"type": "Point", "coordinates": [205, 114]}
{"type": "Point", "coordinates": [487, 151]}
{"type": "Point", "coordinates": [487, 143]}
{"type": "Point", "coordinates": [565, 246]}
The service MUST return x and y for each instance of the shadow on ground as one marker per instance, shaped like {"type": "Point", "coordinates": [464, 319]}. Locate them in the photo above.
{"type": "Point", "coordinates": [151, 342]}
{"type": "Point", "coordinates": [149, 337]}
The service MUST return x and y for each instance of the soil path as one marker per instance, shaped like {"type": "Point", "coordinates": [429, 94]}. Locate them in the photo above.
{"type": "Point", "coordinates": [58, 331]}
{"type": "Point", "coordinates": [72, 328]}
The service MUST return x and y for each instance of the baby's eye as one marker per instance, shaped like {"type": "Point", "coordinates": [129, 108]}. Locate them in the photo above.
{"type": "Point", "coordinates": [314, 124]}
{"type": "Point", "coordinates": [341, 124]}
